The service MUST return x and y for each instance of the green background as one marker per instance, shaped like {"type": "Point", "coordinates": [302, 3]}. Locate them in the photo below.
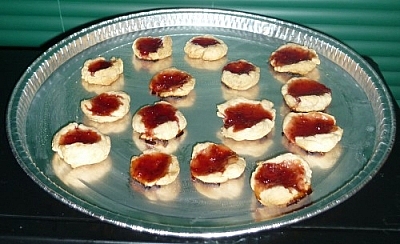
{"type": "Point", "coordinates": [372, 28]}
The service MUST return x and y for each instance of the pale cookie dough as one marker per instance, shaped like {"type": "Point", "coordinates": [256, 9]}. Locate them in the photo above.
{"type": "Point", "coordinates": [99, 71]}
{"type": "Point", "coordinates": [257, 125]}
{"type": "Point", "coordinates": [78, 145]}
{"type": "Point", "coordinates": [294, 58]}
{"type": "Point", "coordinates": [106, 107]}
{"type": "Point", "coordinates": [152, 48]}
{"type": "Point", "coordinates": [240, 75]}
{"type": "Point", "coordinates": [154, 168]}
{"type": "Point", "coordinates": [272, 189]}
{"type": "Point", "coordinates": [172, 82]}
{"type": "Point", "coordinates": [206, 47]}
{"type": "Point", "coordinates": [166, 126]}
{"type": "Point", "coordinates": [215, 163]}
{"type": "Point", "coordinates": [313, 131]}
{"type": "Point", "coordinates": [302, 94]}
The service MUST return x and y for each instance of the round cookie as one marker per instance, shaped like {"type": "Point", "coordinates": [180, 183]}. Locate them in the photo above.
{"type": "Point", "coordinates": [303, 94]}
{"type": "Point", "coordinates": [206, 47]}
{"type": "Point", "coordinates": [294, 58]}
{"type": "Point", "coordinates": [215, 163]}
{"type": "Point", "coordinates": [313, 131]}
{"type": "Point", "coordinates": [246, 119]}
{"type": "Point", "coordinates": [106, 107]}
{"type": "Point", "coordinates": [154, 168]}
{"type": "Point", "coordinates": [172, 82]}
{"type": "Point", "coordinates": [152, 48]}
{"type": "Point", "coordinates": [281, 181]}
{"type": "Point", "coordinates": [159, 121]}
{"type": "Point", "coordinates": [99, 71]}
{"type": "Point", "coordinates": [78, 145]}
{"type": "Point", "coordinates": [240, 75]}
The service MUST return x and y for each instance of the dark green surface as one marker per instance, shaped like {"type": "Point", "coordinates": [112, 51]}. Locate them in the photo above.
{"type": "Point", "coordinates": [370, 27]}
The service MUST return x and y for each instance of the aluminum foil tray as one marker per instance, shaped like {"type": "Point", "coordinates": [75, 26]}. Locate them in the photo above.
{"type": "Point", "coordinates": [48, 94]}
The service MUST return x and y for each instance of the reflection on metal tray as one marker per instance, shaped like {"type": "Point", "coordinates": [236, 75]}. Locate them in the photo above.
{"type": "Point", "coordinates": [48, 95]}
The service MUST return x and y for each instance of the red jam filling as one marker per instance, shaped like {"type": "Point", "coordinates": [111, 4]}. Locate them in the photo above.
{"type": "Point", "coordinates": [150, 167]}
{"type": "Point", "coordinates": [309, 125]}
{"type": "Point", "coordinates": [307, 87]}
{"type": "Point", "coordinates": [205, 41]}
{"type": "Point", "coordinates": [78, 135]}
{"type": "Point", "coordinates": [157, 114]}
{"type": "Point", "coordinates": [287, 174]}
{"type": "Point", "coordinates": [245, 115]}
{"type": "Point", "coordinates": [99, 65]}
{"type": "Point", "coordinates": [104, 104]}
{"type": "Point", "coordinates": [213, 159]}
{"type": "Point", "coordinates": [291, 55]}
{"type": "Point", "coordinates": [147, 45]}
{"type": "Point", "coordinates": [239, 67]}
{"type": "Point", "coordinates": [168, 80]}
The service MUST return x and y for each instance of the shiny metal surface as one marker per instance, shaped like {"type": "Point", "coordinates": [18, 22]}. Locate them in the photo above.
{"type": "Point", "coordinates": [48, 95]}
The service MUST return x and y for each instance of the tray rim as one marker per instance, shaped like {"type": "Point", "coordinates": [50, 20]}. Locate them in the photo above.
{"type": "Point", "coordinates": [383, 148]}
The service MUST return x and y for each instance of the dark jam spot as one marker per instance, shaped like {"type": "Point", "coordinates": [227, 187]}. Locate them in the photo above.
{"type": "Point", "coordinates": [239, 67]}
{"type": "Point", "coordinates": [213, 159]}
{"type": "Point", "coordinates": [168, 81]}
{"type": "Point", "coordinates": [79, 135]}
{"type": "Point", "coordinates": [244, 115]}
{"type": "Point", "coordinates": [309, 125]}
{"type": "Point", "coordinates": [306, 87]}
{"type": "Point", "coordinates": [287, 174]}
{"type": "Point", "coordinates": [150, 167]}
{"type": "Point", "coordinates": [291, 55]}
{"type": "Point", "coordinates": [147, 45]}
{"type": "Point", "coordinates": [104, 104]}
{"type": "Point", "coordinates": [99, 65]}
{"type": "Point", "coordinates": [205, 41]}
{"type": "Point", "coordinates": [157, 114]}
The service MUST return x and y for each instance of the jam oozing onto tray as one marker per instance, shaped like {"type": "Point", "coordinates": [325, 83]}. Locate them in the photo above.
{"type": "Point", "coordinates": [287, 174]}
{"type": "Point", "coordinates": [245, 115]}
{"type": "Point", "coordinates": [150, 167]}
{"type": "Point", "coordinates": [168, 80]}
{"type": "Point", "coordinates": [213, 159]}
{"type": "Point", "coordinates": [157, 114]}
{"type": "Point", "coordinates": [239, 67]}
{"type": "Point", "coordinates": [291, 55]}
{"type": "Point", "coordinates": [77, 135]}
{"type": "Point", "coordinates": [147, 45]}
{"type": "Point", "coordinates": [104, 104]}
{"type": "Point", "coordinates": [99, 65]}
{"type": "Point", "coordinates": [307, 87]}
{"type": "Point", "coordinates": [309, 125]}
{"type": "Point", "coordinates": [205, 41]}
